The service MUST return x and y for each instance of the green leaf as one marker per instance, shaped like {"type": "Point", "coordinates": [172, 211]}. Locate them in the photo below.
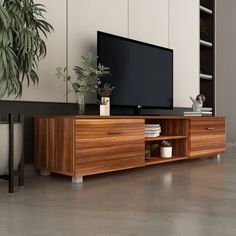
{"type": "Point", "coordinates": [22, 32]}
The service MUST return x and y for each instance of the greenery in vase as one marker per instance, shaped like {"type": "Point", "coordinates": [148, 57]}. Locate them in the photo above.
{"type": "Point", "coordinates": [154, 146]}
{"type": "Point", "coordinates": [166, 143]}
{"type": "Point", "coordinates": [105, 90]}
{"type": "Point", "coordinates": [22, 46]}
{"type": "Point", "coordinates": [88, 75]}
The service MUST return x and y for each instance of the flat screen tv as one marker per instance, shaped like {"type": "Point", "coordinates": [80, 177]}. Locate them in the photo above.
{"type": "Point", "coordinates": [141, 73]}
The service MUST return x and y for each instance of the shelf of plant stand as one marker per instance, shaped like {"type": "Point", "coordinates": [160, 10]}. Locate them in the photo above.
{"type": "Point", "coordinates": [165, 137]}
{"type": "Point", "coordinates": [160, 160]}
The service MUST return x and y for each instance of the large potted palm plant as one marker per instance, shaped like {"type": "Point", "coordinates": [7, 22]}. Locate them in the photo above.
{"type": "Point", "coordinates": [22, 33]}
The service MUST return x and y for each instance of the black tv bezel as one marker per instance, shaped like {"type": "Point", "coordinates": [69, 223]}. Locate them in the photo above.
{"type": "Point", "coordinates": [146, 44]}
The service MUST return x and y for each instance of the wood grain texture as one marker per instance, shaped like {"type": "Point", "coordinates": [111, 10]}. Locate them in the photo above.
{"type": "Point", "coordinates": [108, 145]}
{"type": "Point", "coordinates": [79, 146]}
{"type": "Point", "coordinates": [54, 145]}
{"type": "Point", "coordinates": [41, 157]}
{"type": "Point", "coordinates": [207, 136]}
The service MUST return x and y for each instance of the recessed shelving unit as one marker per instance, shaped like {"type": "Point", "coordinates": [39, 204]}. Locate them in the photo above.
{"type": "Point", "coordinates": [207, 52]}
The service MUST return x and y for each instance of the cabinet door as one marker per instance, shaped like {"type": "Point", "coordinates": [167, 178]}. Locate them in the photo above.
{"type": "Point", "coordinates": [148, 21]}
{"type": "Point", "coordinates": [104, 145]}
{"type": "Point", "coordinates": [207, 136]}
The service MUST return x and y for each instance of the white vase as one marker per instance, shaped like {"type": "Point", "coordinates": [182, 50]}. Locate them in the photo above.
{"type": "Point", "coordinates": [4, 147]}
{"type": "Point", "coordinates": [166, 152]}
{"type": "Point", "coordinates": [105, 106]}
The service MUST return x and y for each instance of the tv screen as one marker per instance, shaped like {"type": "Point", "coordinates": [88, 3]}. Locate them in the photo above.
{"type": "Point", "coordinates": [141, 73]}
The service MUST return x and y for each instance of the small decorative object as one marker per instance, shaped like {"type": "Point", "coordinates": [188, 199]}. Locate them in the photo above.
{"type": "Point", "coordinates": [104, 93]}
{"type": "Point", "coordinates": [88, 79]}
{"type": "Point", "coordinates": [198, 102]}
{"type": "Point", "coordinates": [166, 149]}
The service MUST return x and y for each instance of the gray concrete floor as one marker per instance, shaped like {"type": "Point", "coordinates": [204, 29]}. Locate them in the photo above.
{"type": "Point", "coordinates": [187, 198]}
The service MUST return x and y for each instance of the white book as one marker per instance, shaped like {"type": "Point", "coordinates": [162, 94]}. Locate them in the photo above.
{"type": "Point", "coordinates": [151, 135]}
{"type": "Point", "coordinates": [206, 109]}
{"type": "Point", "coordinates": [206, 113]}
{"type": "Point", "coordinates": [152, 125]}
{"type": "Point", "coordinates": [192, 113]}
{"type": "Point", "coordinates": [153, 129]}
{"type": "Point", "coordinates": [151, 132]}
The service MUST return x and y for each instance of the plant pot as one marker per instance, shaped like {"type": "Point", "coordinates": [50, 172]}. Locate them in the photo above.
{"type": "Point", "coordinates": [166, 152]}
{"type": "Point", "coordinates": [4, 147]}
{"type": "Point", "coordinates": [105, 107]}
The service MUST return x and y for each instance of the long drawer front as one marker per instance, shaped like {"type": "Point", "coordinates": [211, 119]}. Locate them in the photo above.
{"type": "Point", "coordinates": [207, 137]}
{"type": "Point", "coordinates": [108, 144]}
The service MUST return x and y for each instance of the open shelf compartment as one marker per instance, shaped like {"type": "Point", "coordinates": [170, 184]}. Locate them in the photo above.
{"type": "Point", "coordinates": [174, 130]}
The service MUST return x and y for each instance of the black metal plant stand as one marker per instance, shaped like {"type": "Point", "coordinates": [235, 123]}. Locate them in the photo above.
{"type": "Point", "coordinates": [11, 172]}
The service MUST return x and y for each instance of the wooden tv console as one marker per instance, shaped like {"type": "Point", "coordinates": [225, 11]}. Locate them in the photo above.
{"type": "Point", "coordinates": [84, 145]}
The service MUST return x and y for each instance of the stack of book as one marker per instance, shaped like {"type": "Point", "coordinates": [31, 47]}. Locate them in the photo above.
{"type": "Point", "coordinates": [152, 130]}
{"type": "Point", "coordinates": [192, 113]}
{"type": "Point", "coordinates": [205, 111]}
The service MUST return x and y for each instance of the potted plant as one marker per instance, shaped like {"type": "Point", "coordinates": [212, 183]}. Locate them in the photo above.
{"type": "Point", "coordinates": [22, 28]}
{"type": "Point", "coordinates": [104, 93]}
{"type": "Point", "coordinates": [151, 150]}
{"type": "Point", "coordinates": [166, 149]}
{"type": "Point", "coordinates": [87, 81]}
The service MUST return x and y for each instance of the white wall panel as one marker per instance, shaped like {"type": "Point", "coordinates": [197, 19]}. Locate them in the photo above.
{"type": "Point", "coordinates": [49, 88]}
{"type": "Point", "coordinates": [226, 64]}
{"type": "Point", "coordinates": [86, 17]}
{"type": "Point", "coordinates": [148, 21]}
{"type": "Point", "coordinates": [184, 39]}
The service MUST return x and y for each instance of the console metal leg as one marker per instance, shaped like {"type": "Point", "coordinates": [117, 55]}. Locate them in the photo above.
{"type": "Point", "coordinates": [77, 179]}
{"type": "Point", "coordinates": [11, 155]}
{"type": "Point", "coordinates": [44, 173]}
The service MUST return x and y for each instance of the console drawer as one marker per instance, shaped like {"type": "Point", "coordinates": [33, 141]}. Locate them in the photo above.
{"type": "Point", "coordinates": [108, 144]}
{"type": "Point", "coordinates": [207, 136]}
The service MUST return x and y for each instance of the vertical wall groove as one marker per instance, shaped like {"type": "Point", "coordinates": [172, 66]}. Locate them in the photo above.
{"type": "Point", "coordinates": [67, 38]}
{"type": "Point", "coordinates": [128, 18]}
{"type": "Point", "coordinates": [168, 23]}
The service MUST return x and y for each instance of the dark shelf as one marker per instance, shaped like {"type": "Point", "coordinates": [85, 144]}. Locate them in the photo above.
{"type": "Point", "coordinates": [206, 10]}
